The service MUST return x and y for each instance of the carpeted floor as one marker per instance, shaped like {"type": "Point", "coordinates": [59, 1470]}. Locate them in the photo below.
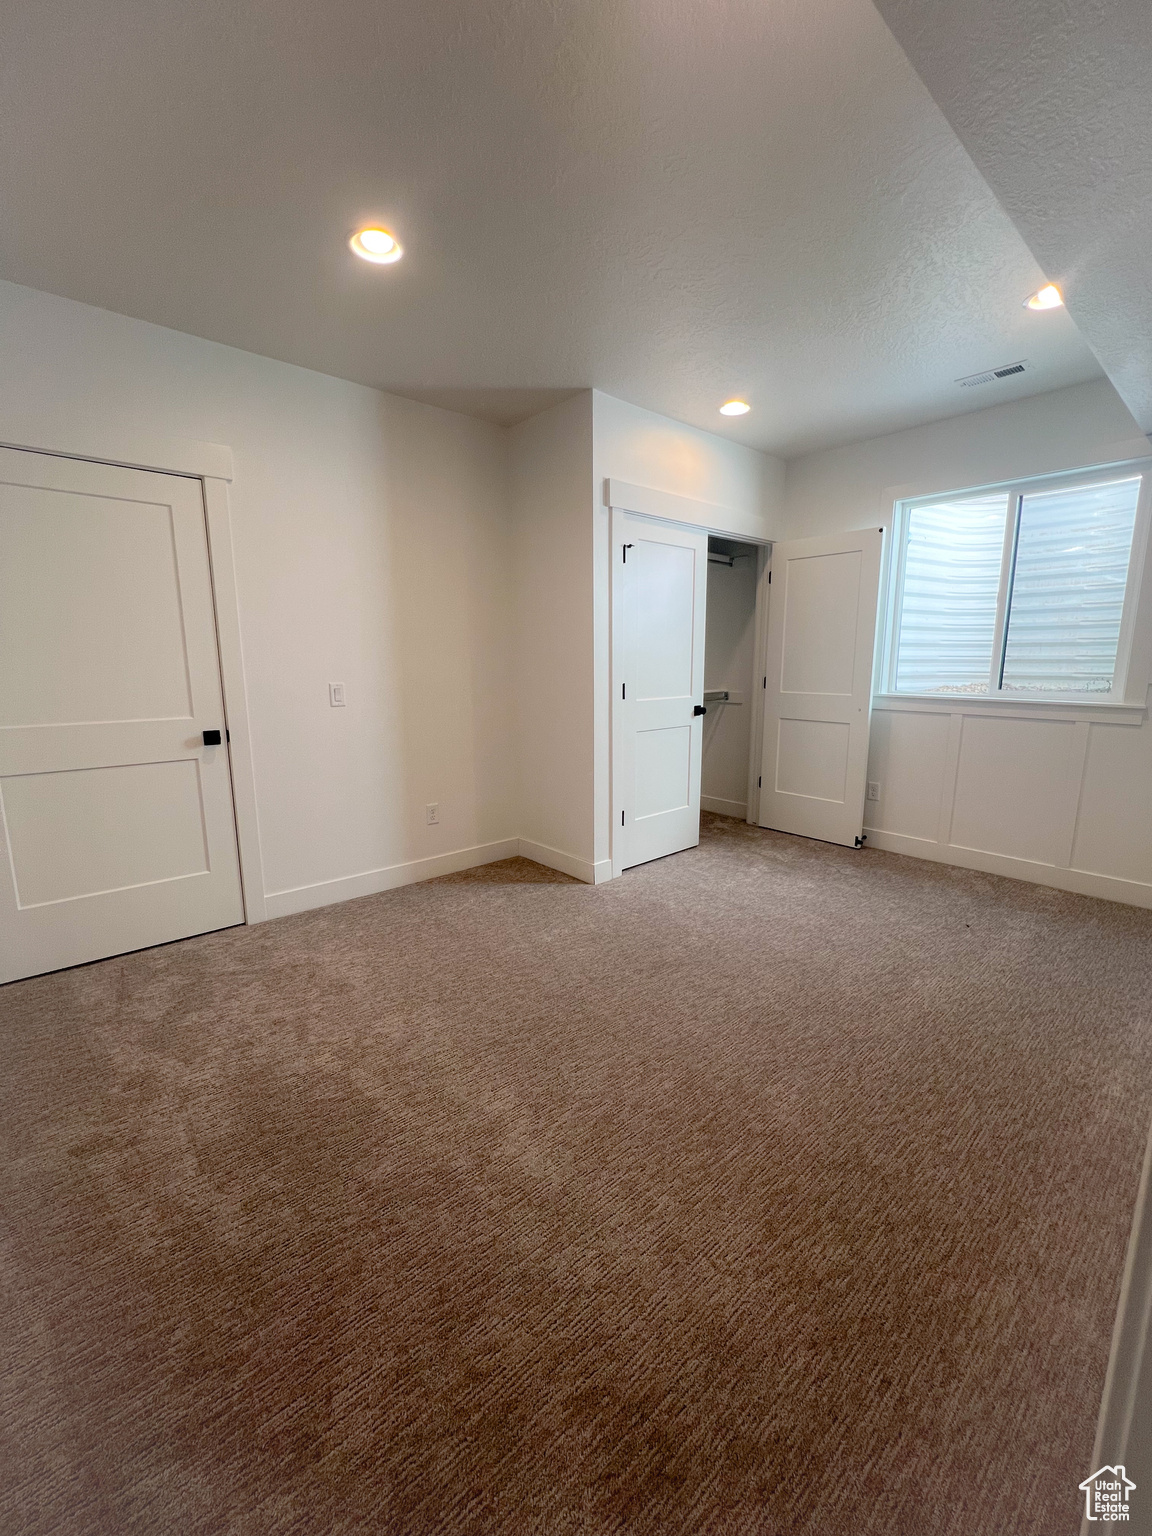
{"type": "Point", "coordinates": [774, 1188]}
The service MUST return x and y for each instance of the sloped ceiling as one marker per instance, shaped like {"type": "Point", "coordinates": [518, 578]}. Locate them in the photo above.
{"type": "Point", "coordinates": [1053, 101]}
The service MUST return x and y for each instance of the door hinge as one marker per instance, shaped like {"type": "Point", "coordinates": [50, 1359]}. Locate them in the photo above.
{"type": "Point", "coordinates": [623, 690]}
{"type": "Point", "coordinates": [621, 818]}
{"type": "Point", "coordinates": [769, 578]}
{"type": "Point", "coordinates": [627, 547]}
{"type": "Point", "coordinates": [764, 684]}
{"type": "Point", "coordinates": [860, 841]}
{"type": "Point", "coordinates": [760, 782]}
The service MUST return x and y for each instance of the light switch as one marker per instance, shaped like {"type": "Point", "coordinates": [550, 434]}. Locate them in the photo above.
{"type": "Point", "coordinates": [336, 695]}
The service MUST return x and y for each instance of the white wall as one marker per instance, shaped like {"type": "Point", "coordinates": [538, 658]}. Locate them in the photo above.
{"type": "Point", "coordinates": [728, 662]}
{"type": "Point", "coordinates": [453, 575]}
{"type": "Point", "coordinates": [1062, 800]}
{"type": "Point", "coordinates": [559, 463]}
{"type": "Point", "coordinates": [854, 486]}
{"type": "Point", "coordinates": [552, 496]}
{"type": "Point", "coordinates": [742, 487]}
{"type": "Point", "coordinates": [373, 546]}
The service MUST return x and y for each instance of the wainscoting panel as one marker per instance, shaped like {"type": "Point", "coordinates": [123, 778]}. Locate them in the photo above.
{"type": "Point", "coordinates": [1011, 783]}
{"type": "Point", "coordinates": [1061, 801]}
{"type": "Point", "coordinates": [907, 755]}
{"type": "Point", "coordinates": [1114, 828]}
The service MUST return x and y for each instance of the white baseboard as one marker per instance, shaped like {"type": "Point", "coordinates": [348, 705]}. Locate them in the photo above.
{"type": "Point", "coordinates": [724, 807]}
{"type": "Point", "coordinates": [566, 863]}
{"type": "Point", "coordinates": [1136, 893]}
{"type": "Point", "coordinates": [325, 892]}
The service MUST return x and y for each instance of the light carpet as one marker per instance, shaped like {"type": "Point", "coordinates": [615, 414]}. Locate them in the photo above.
{"type": "Point", "coordinates": [773, 1188]}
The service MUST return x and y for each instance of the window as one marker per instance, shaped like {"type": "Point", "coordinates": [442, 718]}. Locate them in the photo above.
{"type": "Point", "coordinates": [1025, 591]}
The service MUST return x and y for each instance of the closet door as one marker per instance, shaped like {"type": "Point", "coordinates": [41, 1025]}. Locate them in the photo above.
{"type": "Point", "coordinates": [660, 584]}
{"type": "Point", "coordinates": [115, 810]}
{"type": "Point", "coordinates": [818, 684]}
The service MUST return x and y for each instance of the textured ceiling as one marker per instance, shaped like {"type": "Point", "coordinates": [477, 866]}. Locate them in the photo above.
{"type": "Point", "coordinates": [671, 202]}
{"type": "Point", "coordinates": [1053, 100]}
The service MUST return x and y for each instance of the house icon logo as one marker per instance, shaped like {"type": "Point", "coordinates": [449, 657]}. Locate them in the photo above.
{"type": "Point", "coordinates": [1106, 1494]}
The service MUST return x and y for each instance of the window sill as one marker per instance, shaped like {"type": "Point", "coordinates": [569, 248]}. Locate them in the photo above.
{"type": "Point", "coordinates": [1111, 713]}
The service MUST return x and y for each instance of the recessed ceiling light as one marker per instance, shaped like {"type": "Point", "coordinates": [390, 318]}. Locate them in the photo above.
{"type": "Point", "coordinates": [376, 245]}
{"type": "Point", "coordinates": [735, 408]}
{"type": "Point", "coordinates": [1049, 297]}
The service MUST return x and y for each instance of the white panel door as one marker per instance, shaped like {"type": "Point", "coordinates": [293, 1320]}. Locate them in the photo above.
{"type": "Point", "coordinates": [116, 818]}
{"type": "Point", "coordinates": [660, 581]}
{"type": "Point", "coordinates": [818, 685]}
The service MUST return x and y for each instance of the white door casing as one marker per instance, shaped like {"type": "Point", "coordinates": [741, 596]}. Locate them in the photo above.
{"type": "Point", "coordinates": [659, 590]}
{"type": "Point", "coordinates": [818, 684]}
{"type": "Point", "coordinates": [116, 820]}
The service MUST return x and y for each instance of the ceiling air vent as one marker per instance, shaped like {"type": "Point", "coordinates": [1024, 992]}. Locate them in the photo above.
{"type": "Point", "coordinates": [993, 373]}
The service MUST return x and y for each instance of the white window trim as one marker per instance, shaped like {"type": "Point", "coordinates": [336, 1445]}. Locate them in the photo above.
{"type": "Point", "coordinates": [1127, 705]}
{"type": "Point", "coordinates": [1023, 709]}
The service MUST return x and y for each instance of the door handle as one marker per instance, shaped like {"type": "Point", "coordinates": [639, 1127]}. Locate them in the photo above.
{"type": "Point", "coordinates": [699, 709]}
{"type": "Point", "coordinates": [211, 738]}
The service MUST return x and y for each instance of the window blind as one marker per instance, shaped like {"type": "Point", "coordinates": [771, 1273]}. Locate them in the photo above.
{"type": "Point", "coordinates": [951, 581]}
{"type": "Point", "coordinates": [1067, 587]}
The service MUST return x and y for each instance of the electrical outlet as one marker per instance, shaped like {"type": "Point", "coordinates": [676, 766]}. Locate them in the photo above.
{"type": "Point", "coordinates": [336, 695]}
{"type": "Point", "coordinates": [433, 813]}
{"type": "Point", "coordinates": [873, 790]}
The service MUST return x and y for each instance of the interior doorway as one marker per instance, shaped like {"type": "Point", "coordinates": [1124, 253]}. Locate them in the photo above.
{"type": "Point", "coordinates": [735, 696]}
{"type": "Point", "coordinates": [687, 625]}
{"type": "Point", "coordinates": [818, 684]}
{"type": "Point", "coordinates": [659, 595]}
{"type": "Point", "coordinates": [116, 813]}
{"type": "Point", "coordinates": [729, 675]}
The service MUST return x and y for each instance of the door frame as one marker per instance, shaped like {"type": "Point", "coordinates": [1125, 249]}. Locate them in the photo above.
{"type": "Point", "coordinates": [617, 516]}
{"type": "Point", "coordinates": [620, 496]}
{"type": "Point", "coordinates": [880, 556]}
{"type": "Point", "coordinates": [211, 465]}
{"type": "Point", "coordinates": [759, 683]}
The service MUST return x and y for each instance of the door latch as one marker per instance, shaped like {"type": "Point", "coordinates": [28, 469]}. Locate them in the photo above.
{"type": "Point", "coordinates": [212, 738]}
{"type": "Point", "coordinates": [700, 709]}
